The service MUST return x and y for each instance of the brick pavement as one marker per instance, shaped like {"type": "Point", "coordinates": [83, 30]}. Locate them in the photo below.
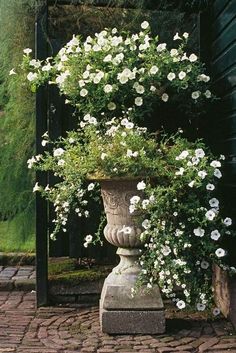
{"type": "Point", "coordinates": [17, 277]}
{"type": "Point", "coordinates": [68, 330]}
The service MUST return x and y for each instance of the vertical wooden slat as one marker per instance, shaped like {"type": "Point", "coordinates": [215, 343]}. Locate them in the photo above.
{"type": "Point", "coordinates": [41, 127]}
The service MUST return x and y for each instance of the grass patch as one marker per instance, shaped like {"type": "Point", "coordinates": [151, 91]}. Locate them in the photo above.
{"type": "Point", "coordinates": [11, 240]}
{"type": "Point", "coordinates": [67, 271]}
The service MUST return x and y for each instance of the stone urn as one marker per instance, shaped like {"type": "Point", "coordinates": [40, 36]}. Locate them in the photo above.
{"type": "Point", "coordinates": [121, 312]}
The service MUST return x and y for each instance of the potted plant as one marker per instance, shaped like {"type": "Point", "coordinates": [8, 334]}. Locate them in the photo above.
{"type": "Point", "coordinates": [163, 199]}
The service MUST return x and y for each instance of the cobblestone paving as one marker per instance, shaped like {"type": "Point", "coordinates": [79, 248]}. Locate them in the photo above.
{"type": "Point", "coordinates": [15, 277]}
{"type": "Point", "coordinates": [68, 330]}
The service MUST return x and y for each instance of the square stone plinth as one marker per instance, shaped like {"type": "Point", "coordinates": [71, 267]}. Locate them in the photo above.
{"type": "Point", "coordinates": [132, 322]}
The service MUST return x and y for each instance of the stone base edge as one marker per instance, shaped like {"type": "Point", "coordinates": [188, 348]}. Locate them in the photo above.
{"type": "Point", "coordinates": [132, 322]}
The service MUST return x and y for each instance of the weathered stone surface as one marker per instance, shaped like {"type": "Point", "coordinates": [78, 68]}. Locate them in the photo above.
{"type": "Point", "coordinates": [132, 322]}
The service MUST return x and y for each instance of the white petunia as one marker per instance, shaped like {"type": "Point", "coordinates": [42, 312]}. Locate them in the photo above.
{"type": "Point", "coordinates": [201, 307]}
{"type": "Point", "coordinates": [215, 164]}
{"type": "Point", "coordinates": [210, 187]}
{"type": "Point", "coordinates": [91, 186]}
{"type": "Point", "coordinates": [202, 174]}
{"type": "Point", "coordinates": [47, 67]}
{"type": "Point", "coordinates": [180, 171]}
{"type": "Point", "coordinates": [27, 51]}
{"type": "Point", "coordinates": [32, 76]}
{"type": "Point", "coordinates": [183, 155]}
{"type": "Point", "coordinates": [176, 36]}
{"type": "Point", "coordinates": [140, 89]}
{"type": "Point", "coordinates": [144, 25]}
{"type": "Point", "coordinates": [12, 72]}
{"type": "Point", "coordinates": [88, 238]}
{"type": "Point", "coordinates": [199, 232]}
{"type": "Point", "coordinates": [207, 94]}
{"type": "Point", "coordinates": [196, 94]}
{"type": "Point", "coordinates": [214, 203]}
{"type": "Point", "coordinates": [141, 185]}
{"type": "Point", "coordinates": [182, 75]}
{"type": "Point", "coordinates": [166, 250]}
{"type": "Point", "coordinates": [191, 184]}
{"type": "Point", "coordinates": [220, 252]}
{"type": "Point", "coordinates": [186, 35]}
{"type": "Point", "coordinates": [134, 200]}
{"type": "Point", "coordinates": [107, 88]}
{"type": "Point", "coordinates": [58, 152]}
{"type": "Point", "coordinates": [216, 311]}
{"type": "Point", "coordinates": [107, 58]}
{"type": "Point", "coordinates": [173, 52]}
{"type": "Point", "coordinates": [217, 173]}
{"type": "Point", "coordinates": [138, 101]}
{"type": "Point", "coordinates": [180, 304]}
{"type": "Point", "coordinates": [153, 89]}
{"type": "Point", "coordinates": [146, 224]}
{"type": "Point", "coordinates": [154, 69]}
{"type": "Point", "coordinates": [215, 235]}
{"type": "Point", "coordinates": [192, 58]}
{"type": "Point", "coordinates": [145, 203]}
{"type": "Point", "coordinates": [204, 264]}
{"type": "Point", "coordinates": [161, 47]}
{"type": "Point", "coordinates": [36, 187]}
{"type": "Point", "coordinates": [199, 153]}
{"type": "Point", "coordinates": [83, 92]}
{"type": "Point", "coordinates": [103, 155]}
{"type": "Point", "coordinates": [165, 97]}
{"type": "Point", "coordinates": [171, 76]}
{"type": "Point", "coordinates": [61, 162]}
{"type": "Point", "coordinates": [210, 215]}
{"type": "Point", "coordinates": [228, 221]}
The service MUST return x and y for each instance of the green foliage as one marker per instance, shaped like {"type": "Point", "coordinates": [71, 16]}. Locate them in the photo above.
{"type": "Point", "coordinates": [17, 118]}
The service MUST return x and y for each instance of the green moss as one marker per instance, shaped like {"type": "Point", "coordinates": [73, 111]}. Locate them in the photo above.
{"type": "Point", "coordinates": [61, 265]}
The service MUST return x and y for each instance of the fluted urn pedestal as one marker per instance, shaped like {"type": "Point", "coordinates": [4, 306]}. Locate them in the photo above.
{"type": "Point", "coordinates": [120, 311]}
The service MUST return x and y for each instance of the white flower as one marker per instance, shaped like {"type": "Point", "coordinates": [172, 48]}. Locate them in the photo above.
{"type": "Point", "coordinates": [85, 245]}
{"type": "Point", "coordinates": [217, 173]}
{"type": "Point", "coordinates": [228, 221]}
{"type": "Point", "coordinates": [191, 184]}
{"type": "Point", "coordinates": [216, 311]}
{"type": "Point", "coordinates": [192, 58]}
{"type": "Point", "coordinates": [32, 76]}
{"type": "Point", "coordinates": [182, 75]}
{"type": "Point", "coordinates": [88, 238]}
{"type": "Point", "coordinates": [222, 157]}
{"type": "Point", "coordinates": [210, 187]}
{"type": "Point", "coordinates": [91, 186]}
{"type": "Point", "coordinates": [204, 264]}
{"type": "Point", "coordinates": [12, 72]}
{"type": "Point", "coordinates": [145, 203]}
{"type": "Point", "coordinates": [108, 88]}
{"type": "Point", "coordinates": [220, 252]}
{"type": "Point", "coordinates": [134, 200]}
{"type": "Point", "coordinates": [201, 307]}
{"type": "Point", "coordinates": [171, 76]}
{"type": "Point", "coordinates": [132, 208]}
{"type": "Point", "coordinates": [61, 162]}
{"type": "Point", "coordinates": [214, 202]}
{"type": "Point", "coordinates": [146, 224]}
{"type": "Point", "coordinates": [180, 171]}
{"type": "Point", "coordinates": [140, 89]}
{"type": "Point", "coordinates": [166, 250]}
{"type": "Point", "coordinates": [44, 142]}
{"type": "Point", "coordinates": [165, 97]}
{"type": "Point", "coordinates": [58, 152]}
{"type": "Point", "coordinates": [186, 35]}
{"type": "Point", "coordinates": [196, 94]}
{"type": "Point", "coordinates": [31, 162]}
{"type": "Point", "coordinates": [210, 215]}
{"type": "Point", "coordinates": [103, 155]}
{"type": "Point", "coordinates": [173, 52]}
{"type": "Point", "coordinates": [161, 47]}
{"type": "Point", "coordinates": [215, 164]}
{"type": "Point", "coordinates": [199, 232]}
{"type": "Point", "coordinates": [27, 51]}
{"type": "Point", "coordinates": [176, 36]}
{"type": "Point", "coordinates": [153, 89]}
{"type": "Point", "coordinates": [144, 25]}
{"type": "Point", "coordinates": [138, 101]}
{"type": "Point", "coordinates": [183, 155]}
{"type": "Point", "coordinates": [154, 69]}
{"type": "Point", "coordinates": [129, 125]}
{"type": "Point", "coordinates": [178, 232]}
{"type": "Point", "coordinates": [47, 67]}
{"type": "Point", "coordinates": [111, 106]}
{"type": "Point", "coordinates": [180, 304]}
{"type": "Point", "coordinates": [207, 94]}
{"type": "Point", "coordinates": [215, 235]}
{"type": "Point", "coordinates": [141, 185]}
{"type": "Point", "coordinates": [199, 153]}
{"type": "Point", "coordinates": [36, 187]}
{"type": "Point", "coordinates": [107, 58]}
{"type": "Point", "coordinates": [83, 92]}
{"type": "Point", "coordinates": [202, 174]}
